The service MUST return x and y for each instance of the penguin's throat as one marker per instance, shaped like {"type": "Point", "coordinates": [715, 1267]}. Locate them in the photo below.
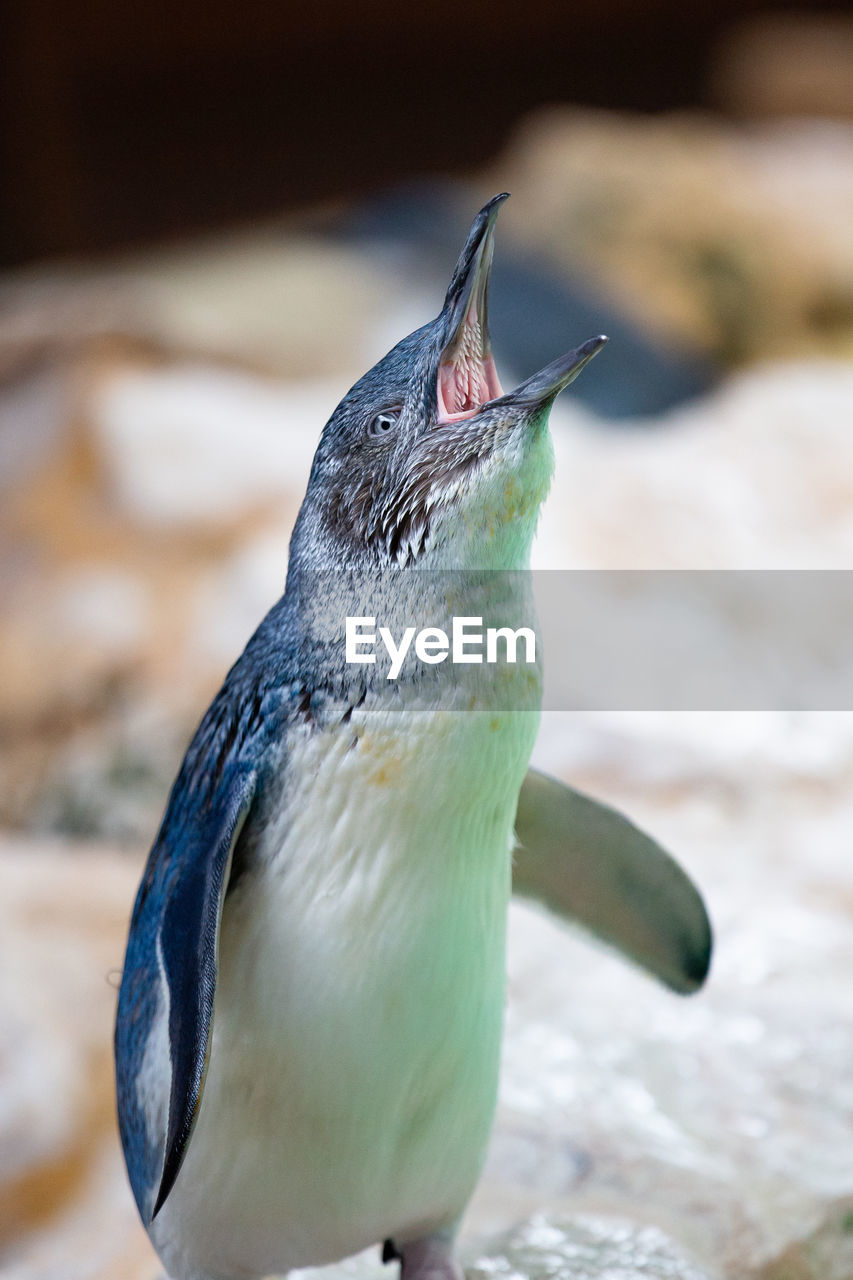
{"type": "Point", "coordinates": [467, 378]}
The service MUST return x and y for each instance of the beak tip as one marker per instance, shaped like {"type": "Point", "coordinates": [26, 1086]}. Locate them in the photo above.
{"type": "Point", "coordinates": [544, 387]}
{"type": "Point", "coordinates": [588, 349]}
{"type": "Point", "coordinates": [484, 223]}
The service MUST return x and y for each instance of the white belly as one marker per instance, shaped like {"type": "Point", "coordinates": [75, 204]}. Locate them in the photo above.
{"type": "Point", "coordinates": [359, 1006]}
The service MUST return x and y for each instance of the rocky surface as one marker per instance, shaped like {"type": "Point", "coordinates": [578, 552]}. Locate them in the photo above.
{"type": "Point", "coordinates": [733, 239]}
{"type": "Point", "coordinates": [65, 1210]}
{"type": "Point", "coordinates": [585, 1248]}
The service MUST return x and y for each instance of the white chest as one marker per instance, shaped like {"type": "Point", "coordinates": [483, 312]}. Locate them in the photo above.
{"type": "Point", "coordinates": [359, 1006]}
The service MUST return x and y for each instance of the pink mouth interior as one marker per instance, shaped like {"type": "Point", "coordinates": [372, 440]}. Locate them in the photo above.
{"type": "Point", "coordinates": [467, 377]}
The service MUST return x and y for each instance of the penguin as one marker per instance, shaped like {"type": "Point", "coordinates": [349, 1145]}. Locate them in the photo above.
{"type": "Point", "coordinates": [310, 1014]}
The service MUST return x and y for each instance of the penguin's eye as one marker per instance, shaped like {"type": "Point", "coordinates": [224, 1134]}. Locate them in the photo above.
{"type": "Point", "coordinates": [384, 423]}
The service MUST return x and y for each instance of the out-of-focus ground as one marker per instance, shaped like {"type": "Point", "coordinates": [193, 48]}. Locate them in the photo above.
{"type": "Point", "coordinates": [157, 420]}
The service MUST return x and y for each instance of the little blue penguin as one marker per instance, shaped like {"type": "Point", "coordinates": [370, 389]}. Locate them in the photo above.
{"type": "Point", "coordinates": [310, 1014]}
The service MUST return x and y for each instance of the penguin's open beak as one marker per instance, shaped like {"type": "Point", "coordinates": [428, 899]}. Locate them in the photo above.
{"type": "Point", "coordinates": [467, 378]}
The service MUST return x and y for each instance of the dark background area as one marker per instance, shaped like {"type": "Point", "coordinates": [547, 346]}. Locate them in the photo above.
{"type": "Point", "coordinates": [121, 123]}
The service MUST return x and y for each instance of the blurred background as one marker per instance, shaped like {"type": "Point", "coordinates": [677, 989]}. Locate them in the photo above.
{"type": "Point", "coordinates": [213, 218]}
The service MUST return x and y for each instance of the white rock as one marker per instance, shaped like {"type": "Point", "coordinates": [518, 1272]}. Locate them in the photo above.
{"type": "Point", "coordinates": [758, 476]}
{"type": "Point", "coordinates": [201, 445]}
{"type": "Point", "coordinates": [105, 607]}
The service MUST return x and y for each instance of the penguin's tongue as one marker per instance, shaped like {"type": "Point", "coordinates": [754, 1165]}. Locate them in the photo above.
{"type": "Point", "coordinates": [467, 377]}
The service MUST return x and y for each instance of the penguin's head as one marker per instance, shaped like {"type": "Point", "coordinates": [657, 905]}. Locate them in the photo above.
{"type": "Point", "coordinates": [427, 462]}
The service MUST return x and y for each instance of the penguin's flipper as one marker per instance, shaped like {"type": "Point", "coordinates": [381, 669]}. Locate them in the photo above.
{"type": "Point", "coordinates": [172, 960]}
{"type": "Point", "coordinates": [189, 945]}
{"type": "Point", "coordinates": [585, 861]}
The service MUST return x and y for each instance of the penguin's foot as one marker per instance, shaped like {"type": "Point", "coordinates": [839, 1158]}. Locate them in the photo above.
{"type": "Point", "coordinates": [429, 1259]}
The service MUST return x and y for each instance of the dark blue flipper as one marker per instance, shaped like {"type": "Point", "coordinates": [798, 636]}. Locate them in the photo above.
{"type": "Point", "coordinates": [189, 946]}
{"type": "Point", "coordinates": [174, 934]}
